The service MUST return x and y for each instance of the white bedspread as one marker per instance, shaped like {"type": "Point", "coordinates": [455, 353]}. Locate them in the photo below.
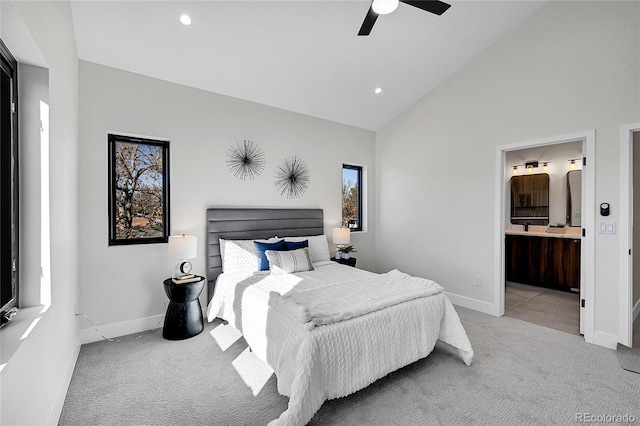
{"type": "Point", "coordinates": [334, 360]}
{"type": "Point", "coordinates": [320, 306]}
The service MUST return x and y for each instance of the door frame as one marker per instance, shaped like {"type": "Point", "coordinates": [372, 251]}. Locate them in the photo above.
{"type": "Point", "coordinates": [587, 248]}
{"type": "Point", "coordinates": [625, 326]}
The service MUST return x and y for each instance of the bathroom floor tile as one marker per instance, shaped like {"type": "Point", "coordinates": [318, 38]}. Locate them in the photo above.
{"type": "Point", "coordinates": [518, 293]}
{"type": "Point", "coordinates": [546, 307]}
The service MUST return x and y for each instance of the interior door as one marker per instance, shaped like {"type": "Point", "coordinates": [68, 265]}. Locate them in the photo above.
{"type": "Point", "coordinates": [583, 254]}
{"type": "Point", "coordinates": [634, 261]}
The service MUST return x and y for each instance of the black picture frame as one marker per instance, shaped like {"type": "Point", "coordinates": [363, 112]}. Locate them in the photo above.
{"type": "Point", "coordinates": [138, 190]}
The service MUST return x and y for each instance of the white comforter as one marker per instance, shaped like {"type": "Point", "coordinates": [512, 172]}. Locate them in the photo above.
{"type": "Point", "coordinates": [337, 359]}
{"type": "Point", "coordinates": [320, 306]}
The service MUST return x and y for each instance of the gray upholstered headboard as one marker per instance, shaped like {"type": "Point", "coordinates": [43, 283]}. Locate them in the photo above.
{"type": "Point", "coordinates": [245, 224]}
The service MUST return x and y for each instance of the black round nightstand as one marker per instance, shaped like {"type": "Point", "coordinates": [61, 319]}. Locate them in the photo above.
{"type": "Point", "coordinates": [350, 261]}
{"type": "Point", "coordinates": [184, 313]}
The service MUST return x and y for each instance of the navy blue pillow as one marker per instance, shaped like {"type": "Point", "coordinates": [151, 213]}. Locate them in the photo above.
{"type": "Point", "coordinates": [295, 245]}
{"type": "Point", "coordinates": [263, 262]}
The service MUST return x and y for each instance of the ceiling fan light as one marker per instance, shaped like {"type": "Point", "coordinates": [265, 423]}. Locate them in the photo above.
{"type": "Point", "coordinates": [383, 7]}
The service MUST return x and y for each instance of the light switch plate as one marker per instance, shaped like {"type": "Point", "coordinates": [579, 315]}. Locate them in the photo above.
{"type": "Point", "coordinates": [607, 227]}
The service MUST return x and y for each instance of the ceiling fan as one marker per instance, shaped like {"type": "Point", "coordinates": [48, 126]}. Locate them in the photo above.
{"type": "Point", "coordinates": [383, 7]}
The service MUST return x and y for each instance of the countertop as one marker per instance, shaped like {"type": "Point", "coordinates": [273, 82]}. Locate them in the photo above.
{"type": "Point", "coordinates": [573, 233]}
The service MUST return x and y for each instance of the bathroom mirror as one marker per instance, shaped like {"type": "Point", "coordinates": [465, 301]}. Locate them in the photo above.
{"type": "Point", "coordinates": [574, 198]}
{"type": "Point", "coordinates": [530, 199]}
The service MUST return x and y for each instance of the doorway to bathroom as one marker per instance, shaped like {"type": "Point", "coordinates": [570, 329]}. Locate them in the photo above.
{"type": "Point", "coordinates": [542, 235]}
{"type": "Point", "coordinates": [545, 242]}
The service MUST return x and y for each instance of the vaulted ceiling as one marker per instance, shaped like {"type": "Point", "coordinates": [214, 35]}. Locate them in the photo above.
{"type": "Point", "coordinates": [302, 56]}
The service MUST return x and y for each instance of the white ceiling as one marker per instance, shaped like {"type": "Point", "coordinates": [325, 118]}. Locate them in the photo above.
{"type": "Point", "coordinates": [302, 56]}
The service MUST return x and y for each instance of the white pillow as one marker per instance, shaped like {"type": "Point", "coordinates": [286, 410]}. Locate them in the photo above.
{"type": "Point", "coordinates": [318, 247]}
{"type": "Point", "coordinates": [240, 255]}
{"type": "Point", "coordinates": [287, 262]}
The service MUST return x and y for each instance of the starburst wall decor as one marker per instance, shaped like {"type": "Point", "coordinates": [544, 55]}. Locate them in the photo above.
{"type": "Point", "coordinates": [292, 177]}
{"type": "Point", "coordinates": [246, 160]}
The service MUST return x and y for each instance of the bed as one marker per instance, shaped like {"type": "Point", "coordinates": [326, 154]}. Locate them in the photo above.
{"type": "Point", "coordinates": [326, 329]}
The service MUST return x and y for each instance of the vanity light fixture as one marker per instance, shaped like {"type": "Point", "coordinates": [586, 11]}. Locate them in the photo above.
{"type": "Point", "coordinates": [572, 164]}
{"type": "Point", "coordinates": [530, 167]}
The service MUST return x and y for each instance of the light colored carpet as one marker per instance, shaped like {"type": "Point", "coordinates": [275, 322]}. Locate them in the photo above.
{"type": "Point", "coordinates": [522, 374]}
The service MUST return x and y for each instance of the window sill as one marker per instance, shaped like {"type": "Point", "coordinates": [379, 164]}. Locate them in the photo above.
{"type": "Point", "coordinates": [18, 329]}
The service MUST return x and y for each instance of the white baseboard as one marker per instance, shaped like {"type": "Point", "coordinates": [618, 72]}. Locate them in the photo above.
{"type": "Point", "coordinates": [607, 340]}
{"type": "Point", "coordinates": [636, 310]}
{"type": "Point", "coordinates": [56, 410]}
{"type": "Point", "coordinates": [115, 330]}
{"type": "Point", "coordinates": [475, 304]}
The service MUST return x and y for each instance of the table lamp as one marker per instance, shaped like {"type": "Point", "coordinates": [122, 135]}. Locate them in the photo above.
{"type": "Point", "coordinates": [182, 247]}
{"type": "Point", "coordinates": [340, 236]}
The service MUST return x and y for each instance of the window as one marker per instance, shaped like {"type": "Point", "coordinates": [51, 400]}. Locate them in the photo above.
{"type": "Point", "coordinates": [138, 190]}
{"type": "Point", "coordinates": [352, 197]}
{"type": "Point", "coordinates": [8, 182]}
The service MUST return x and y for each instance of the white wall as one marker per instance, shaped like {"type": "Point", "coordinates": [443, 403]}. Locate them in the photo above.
{"type": "Point", "coordinates": [571, 67]}
{"type": "Point", "coordinates": [123, 283]}
{"type": "Point", "coordinates": [557, 156]}
{"type": "Point", "coordinates": [33, 89]}
{"type": "Point", "coordinates": [35, 379]}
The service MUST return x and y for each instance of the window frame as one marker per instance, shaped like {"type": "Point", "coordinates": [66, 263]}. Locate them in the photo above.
{"type": "Point", "coordinates": [360, 186]}
{"type": "Point", "coordinates": [163, 145]}
{"type": "Point", "coordinates": [10, 185]}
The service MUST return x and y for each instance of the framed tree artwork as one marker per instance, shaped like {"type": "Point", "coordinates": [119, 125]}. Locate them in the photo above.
{"type": "Point", "coordinates": [138, 190]}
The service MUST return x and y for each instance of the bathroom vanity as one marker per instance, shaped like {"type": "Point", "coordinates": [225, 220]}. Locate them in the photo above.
{"type": "Point", "coordinates": [543, 259]}
{"type": "Point", "coordinates": [538, 254]}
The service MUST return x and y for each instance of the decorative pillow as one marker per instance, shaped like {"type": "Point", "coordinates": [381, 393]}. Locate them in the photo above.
{"type": "Point", "coordinates": [287, 262]}
{"type": "Point", "coordinates": [318, 247]}
{"type": "Point", "coordinates": [261, 248]}
{"type": "Point", "coordinates": [240, 255]}
{"type": "Point", "coordinates": [295, 245]}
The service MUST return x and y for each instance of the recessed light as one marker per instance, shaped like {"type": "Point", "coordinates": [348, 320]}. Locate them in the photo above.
{"type": "Point", "coordinates": [185, 19]}
{"type": "Point", "coordinates": [378, 90]}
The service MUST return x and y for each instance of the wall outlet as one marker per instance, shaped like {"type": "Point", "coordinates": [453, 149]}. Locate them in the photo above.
{"type": "Point", "coordinates": [477, 280]}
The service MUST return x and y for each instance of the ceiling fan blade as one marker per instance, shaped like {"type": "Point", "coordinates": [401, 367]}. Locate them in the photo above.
{"type": "Point", "coordinates": [368, 22]}
{"type": "Point", "coordinates": [433, 6]}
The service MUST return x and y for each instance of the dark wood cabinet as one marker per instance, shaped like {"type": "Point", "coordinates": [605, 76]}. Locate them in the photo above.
{"type": "Point", "coordinates": [543, 261]}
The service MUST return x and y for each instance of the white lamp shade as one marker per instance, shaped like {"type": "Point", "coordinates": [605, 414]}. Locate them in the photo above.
{"type": "Point", "coordinates": [341, 235]}
{"type": "Point", "coordinates": [183, 247]}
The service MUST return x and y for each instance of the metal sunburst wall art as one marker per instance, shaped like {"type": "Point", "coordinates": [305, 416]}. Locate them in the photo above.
{"type": "Point", "coordinates": [292, 177]}
{"type": "Point", "coordinates": [246, 160]}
